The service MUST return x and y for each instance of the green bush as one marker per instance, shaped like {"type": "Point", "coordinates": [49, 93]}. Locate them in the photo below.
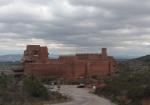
{"type": "Point", "coordinates": [34, 87]}
{"type": "Point", "coordinates": [4, 81]}
{"type": "Point", "coordinates": [133, 85]}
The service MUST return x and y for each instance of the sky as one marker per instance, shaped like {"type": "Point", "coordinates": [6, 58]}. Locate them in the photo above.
{"type": "Point", "coordinates": [76, 26]}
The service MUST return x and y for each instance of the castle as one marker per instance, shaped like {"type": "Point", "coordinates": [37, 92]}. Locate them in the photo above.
{"type": "Point", "coordinates": [72, 67]}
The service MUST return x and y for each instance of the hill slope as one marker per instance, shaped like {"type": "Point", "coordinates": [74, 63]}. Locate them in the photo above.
{"type": "Point", "coordinates": [10, 58]}
{"type": "Point", "coordinates": [141, 63]}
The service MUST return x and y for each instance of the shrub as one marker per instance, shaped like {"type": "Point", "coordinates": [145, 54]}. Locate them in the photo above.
{"type": "Point", "coordinates": [34, 87]}
{"type": "Point", "coordinates": [133, 85]}
{"type": "Point", "coordinates": [4, 81]}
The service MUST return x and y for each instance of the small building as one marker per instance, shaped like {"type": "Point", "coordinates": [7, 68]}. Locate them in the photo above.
{"type": "Point", "coordinates": [73, 67]}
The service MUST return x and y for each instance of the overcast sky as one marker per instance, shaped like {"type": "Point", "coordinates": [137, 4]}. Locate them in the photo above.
{"type": "Point", "coordinates": [71, 26]}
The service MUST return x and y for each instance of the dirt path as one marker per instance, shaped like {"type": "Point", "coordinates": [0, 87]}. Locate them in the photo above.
{"type": "Point", "coordinates": [81, 96]}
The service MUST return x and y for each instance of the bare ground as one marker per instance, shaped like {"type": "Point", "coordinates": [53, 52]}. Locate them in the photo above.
{"type": "Point", "coordinates": [81, 96]}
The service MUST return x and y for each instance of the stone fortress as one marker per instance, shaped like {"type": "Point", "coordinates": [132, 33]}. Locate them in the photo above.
{"type": "Point", "coordinates": [37, 62]}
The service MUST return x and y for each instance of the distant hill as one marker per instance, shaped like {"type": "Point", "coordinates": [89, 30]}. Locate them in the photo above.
{"type": "Point", "coordinates": [10, 58]}
{"type": "Point", "coordinates": [17, 57]}
{"type": "Point", "coordinates": [137, 64]}
{"type": "Point", "coordinates": [143, 58]}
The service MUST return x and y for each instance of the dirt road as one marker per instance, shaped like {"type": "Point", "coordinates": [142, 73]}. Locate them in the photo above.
{"type": "Point", "coordinates": [81, 96]}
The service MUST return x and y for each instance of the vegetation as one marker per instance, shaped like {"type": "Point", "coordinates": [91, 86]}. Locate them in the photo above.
{"type": "Point", "coordinates": [26, 91]}
{"type": "Point", "coordinates": [8, 90]}
{"type": "Point", "coordinates": [127, 88]}
{"type": "Point", "coordinates": [34, 87]}
{"type": "Point", "coordinates": [9, 64]}
{"type": "Point", "coordinates": [4, 82]}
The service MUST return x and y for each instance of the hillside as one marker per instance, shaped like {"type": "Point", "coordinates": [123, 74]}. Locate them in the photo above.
{"type": "Point", "coordinates": [145, 59]}
{"type": "Point", "coordinates": [10, 58]}
{"type": "Point", "coordinates": [136, 64]}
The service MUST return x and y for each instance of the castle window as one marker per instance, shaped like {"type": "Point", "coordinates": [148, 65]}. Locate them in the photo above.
{"type": "Point", "coordinates": [35, 53]}
{"type": "Point", "coordinates": [114, 65]}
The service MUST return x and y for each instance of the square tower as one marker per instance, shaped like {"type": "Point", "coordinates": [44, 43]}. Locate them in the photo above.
{"type": "Point", "coordinates": [35, 53]}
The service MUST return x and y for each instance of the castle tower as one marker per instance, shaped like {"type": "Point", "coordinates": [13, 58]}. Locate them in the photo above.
{"type": "Point", "coordinates": [104, 52]}
{"type": "Point", "coordinates": [43, 54]}
{"type": "Point", "coordinates": [35, 53]}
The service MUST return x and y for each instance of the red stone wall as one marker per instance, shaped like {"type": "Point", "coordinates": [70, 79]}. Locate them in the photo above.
{"type": "Point", "coordinates": [67, 67]}
{"type": "Point", "coordinates": [98, 68]}
{"type": "Point", "coordinates": [60, 70]}
{"type": "Point", "coordinates": [80, 69]}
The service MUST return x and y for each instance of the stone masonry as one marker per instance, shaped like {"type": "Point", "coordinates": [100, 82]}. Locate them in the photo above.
{"type": "Point", "coordinates": [72, 67]}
